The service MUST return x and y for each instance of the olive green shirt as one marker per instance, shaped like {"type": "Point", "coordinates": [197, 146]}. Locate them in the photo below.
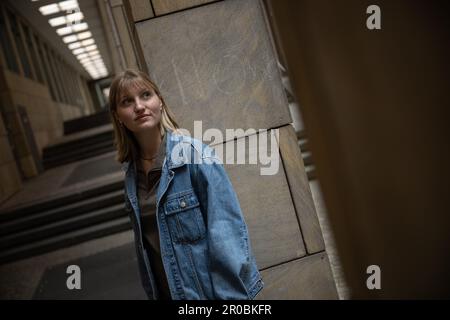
{"type": "Point", "coordinates": [147, 185]}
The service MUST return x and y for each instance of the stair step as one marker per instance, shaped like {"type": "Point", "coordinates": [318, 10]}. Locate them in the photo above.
{"type": "Point", "coordinates": [48, 155]}
{"type": "Point", "coordinates": [86, 122]}
{"type": "Point", "coordinates": [62, 226]}
{"type": "Point", "coordinates": [60, 213]}
{"type": "Point", "coordinates": [307, 159]}
{"type": "Point", "coordinates": [71, 144]}
{"type": "Point", "coordinates": [85, 134]}
{"type": "Point", "coordinates": [304, 145]}
{"type": "Point", "coordinates": [311, 172]}
{"type": "Point", "coordinates": [95, 138]}
{"type": "Point", "coordinates": [78, 155]}
{"type": "Point", "coordinates": [65, 240]}
{"type": "Point", "coordinates": [83, 152]}
{"type": "Point", "coordinates": [30, 209]}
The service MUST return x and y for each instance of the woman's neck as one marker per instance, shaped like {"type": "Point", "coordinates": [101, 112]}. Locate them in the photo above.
{"type": "Point", "coordinates": [149, 142]}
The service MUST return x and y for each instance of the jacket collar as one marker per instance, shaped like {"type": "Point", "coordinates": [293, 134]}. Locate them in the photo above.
{"type": "Point", "coordinates": [171, 140]}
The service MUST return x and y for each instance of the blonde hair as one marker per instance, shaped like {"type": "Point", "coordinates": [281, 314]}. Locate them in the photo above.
{"type": "Point", "coordinates": [124, 140]}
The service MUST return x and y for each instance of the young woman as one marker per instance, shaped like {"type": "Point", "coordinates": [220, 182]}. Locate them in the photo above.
{"type": "Point", "coordinates": [191, 238]}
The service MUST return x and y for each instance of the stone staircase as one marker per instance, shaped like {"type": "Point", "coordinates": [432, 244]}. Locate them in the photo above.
{"type": "Point", "coordinates": [61, 222]}
{"type": "Point", "coordinates": [69, 215]}
{"type": "Point", "coordinates": [63, 152]}
{"type": "Point", "coordinates": [306, 154]}
{"type": "Point", "coordinates": [298, 124]}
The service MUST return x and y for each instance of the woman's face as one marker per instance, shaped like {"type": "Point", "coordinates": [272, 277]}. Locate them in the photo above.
{"type": "Point", "coordinates": [139, 109]}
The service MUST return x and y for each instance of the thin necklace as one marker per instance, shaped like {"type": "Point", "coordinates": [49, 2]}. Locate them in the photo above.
{"type": "Point", "coordinates": [151, 159]}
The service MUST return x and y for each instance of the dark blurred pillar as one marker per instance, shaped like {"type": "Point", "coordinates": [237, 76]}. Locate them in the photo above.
{"type": "Point", "coordinates": [375, 105]}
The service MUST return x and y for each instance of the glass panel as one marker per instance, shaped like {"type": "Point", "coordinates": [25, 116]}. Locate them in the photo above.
{"type": "Point", "coordinates": [7, 46]}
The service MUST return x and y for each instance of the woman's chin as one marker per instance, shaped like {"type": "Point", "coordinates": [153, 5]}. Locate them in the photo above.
{"type": "Point", "coordinates": [146, 126]}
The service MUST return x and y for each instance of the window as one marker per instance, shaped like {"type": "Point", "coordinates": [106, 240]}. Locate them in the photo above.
{"type": "Point", "coordinates": [57, 81]}
{"type": "Point", "coordinates": [7, 46]}
{"type": "Point", "coordinates": [32, 50]}
{"type": "Point", "coordinates": [62, 82]}
{"type": "Point", "coordinates": [45, 66]}
{"type": "Point", "coordinates": [19, 44]}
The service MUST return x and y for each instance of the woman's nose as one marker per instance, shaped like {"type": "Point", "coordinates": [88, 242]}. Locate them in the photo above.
{"type": "Point", "coordinates": [138, 104]}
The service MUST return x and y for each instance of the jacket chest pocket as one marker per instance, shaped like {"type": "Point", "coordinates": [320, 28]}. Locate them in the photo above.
{"type": "Point", "coordinates": [184, 217]}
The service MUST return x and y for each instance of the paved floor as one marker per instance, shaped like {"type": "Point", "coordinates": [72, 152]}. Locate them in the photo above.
{"type": "Point", "coordinates": [20, 279]}
{"type": "Point", "coordinates": [112, 274]}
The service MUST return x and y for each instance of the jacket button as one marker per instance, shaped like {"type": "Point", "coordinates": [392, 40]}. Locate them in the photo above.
{"type": "Point", "coordinates": [183, 204]}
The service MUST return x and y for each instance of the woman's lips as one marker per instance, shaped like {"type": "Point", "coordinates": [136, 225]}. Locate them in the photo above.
{"type": "Point", "coordinates": [142, 117]}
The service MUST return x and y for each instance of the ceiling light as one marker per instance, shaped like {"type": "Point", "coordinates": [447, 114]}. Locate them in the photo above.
{"type": "Point", "coordinates": [49, 9]}
{"type": "Point", "coordinates": [91, 48]}
{"type": "Point", "coordinates": [68, 5]}
{"type": "Point", "coordinates": [74, 45]}
{"type": "Point", "coordinates": [64, 31]}
{"type": "Point", "coordinates": [58, 21]}
{"type": "Point", "coordinates": [71, 38]}
{"type": "Point", "coordinates": [72, 29]}
{"type": "Point", "coordinates": [74, 17]}
{"type": "Point", "coordinates": [84, 35]}
{"type": "Point", "coordinates": [78, 51]}
{"type": "Point", "coordinates": [82, 56]}
{"type": "Point", "coordinates": [87, 42]}
{"type": "Point", "coordinates": [79, 26]}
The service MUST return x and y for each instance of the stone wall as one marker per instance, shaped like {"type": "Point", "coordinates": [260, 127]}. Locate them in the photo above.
{"type": "Point", "coordinates": [214, 62]}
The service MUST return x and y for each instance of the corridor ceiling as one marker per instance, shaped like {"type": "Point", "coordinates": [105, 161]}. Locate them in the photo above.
{"type": "Point", "coordinates": [75, 30]}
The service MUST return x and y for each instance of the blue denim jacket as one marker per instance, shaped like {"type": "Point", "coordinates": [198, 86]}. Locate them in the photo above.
{"type": "Point", "coordinates": [205, 246]}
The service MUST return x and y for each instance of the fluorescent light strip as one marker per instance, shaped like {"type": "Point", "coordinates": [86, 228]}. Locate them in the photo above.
{"type": "Point", "coordinates": [87, 42]}
{"type": "Point", "coordinates": [49, 9]}
{"type": "Point", "coordinates": [79, 27]}
{"type": "Point", "coordinates": [91, 47]}
{"type": "Point", "coordinates": [68, 19]}
{"type": "Point", "coordinates": [59, 7]}
{"type": "Point", "coordinates": [72, 29]}
{"type": "Point", "coordinates": [77, 16]}
{"type": "Point", "coordinates": [78, 51]}
{"type": "Point", "coordinates": [74, 45]}
{"type": "Point", "coordinates": [81, 56]}
{"type": "Point", "coordinates": [84, 35]}
{"type": "Point", "coordinates": [58, 21]}
{"type": "Point", "coordinates": [78, 36]}
{"type": "Point", "coordinates": [71, 38]}
{"type": "Point", "coordinates": [68, 5]}
{"type": "Point", "coordinates": [63, 31]}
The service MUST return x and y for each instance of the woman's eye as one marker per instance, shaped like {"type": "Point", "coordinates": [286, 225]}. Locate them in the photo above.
{"type": "Point", "coordinates": [146, 94]}
{"type": "Point", "coordinates": [126, 101]}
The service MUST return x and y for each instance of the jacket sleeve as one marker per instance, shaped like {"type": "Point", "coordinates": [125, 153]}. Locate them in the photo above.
{"type": "Point", "coordinates": [227, 235]}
